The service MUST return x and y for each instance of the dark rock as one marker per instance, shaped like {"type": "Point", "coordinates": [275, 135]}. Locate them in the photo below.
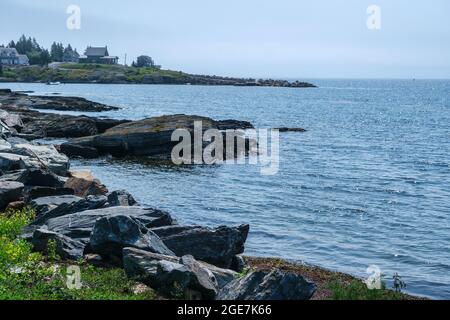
{"type": "Point", "coordinates": [111, 234]}
{"type": "Point", "coordinates": [10, 191]}
{"type": "Point", "coordinates": [67, 104]}
{"type": "Point", "coordinates": [46, 204]}
{"type": "Point", "coordinates": [170, 275]}
{"type": "Point", "coordinates": [237, 264]}
{"type": "Point", "coordinates": [70, 207]}
{"type": "Point", "coordinates": [121, 198]}
{"type": "Point", "coordinates": [265, 285]}
{"type": "Point", "coordinates": [216, 246]}
{"type": "Point", "coordinates": [34, 177]}
{"type": "Point", "coordinates": [284, 129]}
{"type": "Point", "coordinates": [15, 206]}
{"type": "Point", "coordinates": [73, 151]}
{"type": "Point", "coordinates": [9, 161]}
{"type": "Point", "coordinates": [79, 225]}
{"type": "Point", "coordinates": [39, 192]}
{"type": "Point", "coordinates": [234, 125]}
{"type": "Point", "coordinates": [66, 247]}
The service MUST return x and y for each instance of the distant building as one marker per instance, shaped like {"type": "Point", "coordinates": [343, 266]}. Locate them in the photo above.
{"type": "Point", "coordinates": [98, 55]}
{"type": "Point", "coordinates": [70, 56]}
{"type": "Point", "coordinates": [10, 56]}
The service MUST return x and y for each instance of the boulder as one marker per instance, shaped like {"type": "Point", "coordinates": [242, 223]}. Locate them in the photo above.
{"type": "Point", "coordinates": [238, 263]}
{"type": "Point", "coordinates": [42, 157]}
{"type": "Point", "coordinates": [173, 276]}
{"type": "Point", "coordinates": [216, 246]}
{"type": "Point", "coordinates": [34, 178]}
{"type": "Point", "coordinates": [268, 285]}
{"type": "Point", "coordinates": [121, 198]}
{"type": "Point", "coordinates": [66, 247]}
{"type": "Point", "coordinates": [10, 161]}
{"type": "Point", "coordinates": [62, 103]}
{"type": "Point", "coordinates": [10, 191]}
{"type": "Point", "coordinates": [15, 206]}
{"type": "Point", "coordinates": [113, 233]}
{"type": "Point", "coordinates": [46, 204]}
{"type": "Point", "coordinates": [79, 225]}
{"type": "Point", "coordinates": [86, 186]}
{"type": "Point", "coordinates": [11, 120]}
{"type": "Point", "coordinates": [68, 206]}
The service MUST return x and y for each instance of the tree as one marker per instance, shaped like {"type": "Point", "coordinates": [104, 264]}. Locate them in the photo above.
{"type": "Point", "coordinates": [12, 44]}
{"type": "Point", "coordinates": [57, 52]}
{"type": "Point", "coordinates": [143, 61]}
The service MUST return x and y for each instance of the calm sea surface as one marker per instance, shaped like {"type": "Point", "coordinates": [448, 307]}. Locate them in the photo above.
{"type": "Point", "coordinates": [367, 184]}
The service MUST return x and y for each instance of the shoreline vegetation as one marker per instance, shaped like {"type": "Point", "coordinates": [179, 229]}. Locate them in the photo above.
{"type": "Point", "coordinates": [119, 74]}
{"type": "Point", "coordinates": [123, 250]}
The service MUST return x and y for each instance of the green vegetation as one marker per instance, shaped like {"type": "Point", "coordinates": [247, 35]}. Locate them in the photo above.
{"type": "Point", "coordinates": [357, 290]}
{"type": "Point", "coordinates": [89, 73]}
{"type": "Point", "coordinates": [26, 275]}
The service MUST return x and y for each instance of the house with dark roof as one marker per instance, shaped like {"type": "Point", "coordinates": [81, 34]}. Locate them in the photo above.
{"type": "Point", "coordinates": [98, 55]}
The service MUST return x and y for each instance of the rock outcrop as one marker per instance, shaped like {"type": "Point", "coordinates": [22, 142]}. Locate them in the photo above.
{"type": "Point", "coordinates": [216, 246]}
{"type": "Point", "coordinates": [113, 233]}
{"type": "Point", "coordinates": [268, 285]}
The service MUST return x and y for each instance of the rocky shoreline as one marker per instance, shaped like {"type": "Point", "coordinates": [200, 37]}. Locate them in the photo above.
{"type": "Point", "coordinates": [85, 220]}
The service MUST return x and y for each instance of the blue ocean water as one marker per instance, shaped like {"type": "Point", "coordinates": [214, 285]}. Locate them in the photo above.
{"type": "Point", "coordinates": [367, 184]}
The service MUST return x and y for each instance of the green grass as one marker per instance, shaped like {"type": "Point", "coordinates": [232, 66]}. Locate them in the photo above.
{"type": "Point", "coordinates": [357, 290]}
{"type": "Point", "coordinates": [27, 275]}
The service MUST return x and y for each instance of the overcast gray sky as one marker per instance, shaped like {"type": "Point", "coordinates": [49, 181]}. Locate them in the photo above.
{"type": "Point", "coordinates": [255, 38]}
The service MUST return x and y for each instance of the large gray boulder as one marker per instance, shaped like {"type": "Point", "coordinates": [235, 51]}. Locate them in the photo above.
{"type": "Point", "coordinates": [9, 191]}
{"type": "Point", "coordinates": [216, 246]}
{"type": "Point", "coordinates": [35, 178]}
{"type": "Point", "coordinates": [28, 156]}
{"type": "Point", "coordinates": [53, 207]}
{"type": "Point", "coordinates": [268, 285]}
{"type": "Point", "coordinates": [79, 225]}
{"type": "Point", "coordinates": [66, 247]}
{"type": "Point", "coordinates": [113, 233]}
{"type": "Point", "coordinates": [177, 277]}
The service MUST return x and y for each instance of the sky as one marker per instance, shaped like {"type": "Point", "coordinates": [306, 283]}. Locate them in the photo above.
{"type": "Point", "coordinates": [251, 38]}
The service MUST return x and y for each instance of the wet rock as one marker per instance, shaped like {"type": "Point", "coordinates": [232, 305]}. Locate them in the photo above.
{"type": "Point", "coordinates": [284, 129]}
{"type": "Point", "coordinates": [74, 151]}
{"type": "Point", "coordinates": [66, 247]}
{"type": "Point", "coordinates": [121, 198]}
{"type": "Point", "coordinates": [111, 234]}
{"type": "Point", "coordinates": [215, 246]}
{"type": "Point", "coordinates": [234, 125]}
{"type": "Point", "coordinates": [265, 285]}
{"type": "Point", "coordinates": [62, 103]}
{"type": "Point", "coordinates": [173, 276]}
{"type": "Point", "coordinates": [10, 191]}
